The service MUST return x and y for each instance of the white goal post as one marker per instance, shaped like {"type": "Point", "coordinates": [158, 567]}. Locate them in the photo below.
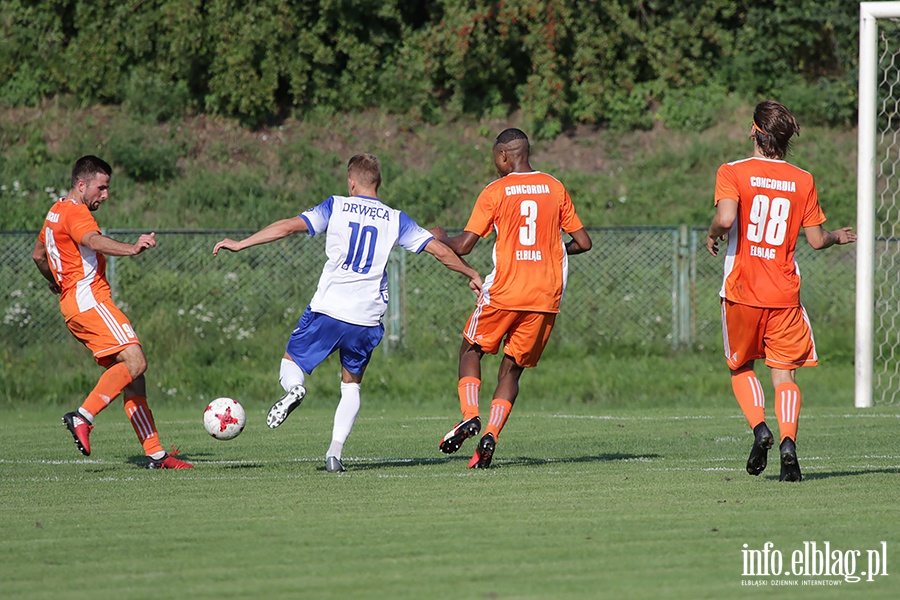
{"type": "Point", "coordinates": [871, 78]}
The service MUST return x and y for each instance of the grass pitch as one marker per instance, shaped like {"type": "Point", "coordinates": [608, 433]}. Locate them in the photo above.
{"type": "Point", "coordinates": [583, 503]}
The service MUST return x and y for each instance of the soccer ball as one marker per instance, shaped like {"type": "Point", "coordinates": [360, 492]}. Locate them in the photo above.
{"type": "Point", "coordinates": [224, 418]}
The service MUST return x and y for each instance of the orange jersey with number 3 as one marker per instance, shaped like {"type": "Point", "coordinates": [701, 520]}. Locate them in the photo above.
{"type": "Point", "coordinates": [80, 272]}
{"type": "Point", "coordinates": [775, 199]}
{"type": "Point", "coordinates": [528, 212]}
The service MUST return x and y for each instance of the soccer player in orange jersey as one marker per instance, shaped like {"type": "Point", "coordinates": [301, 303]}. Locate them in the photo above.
{"type": "Point", "coordinates": [761, 204]}
{"type": "Point", "coordinates": [69, 253]}
{"type": "Point", "coordinates": [528, 210]}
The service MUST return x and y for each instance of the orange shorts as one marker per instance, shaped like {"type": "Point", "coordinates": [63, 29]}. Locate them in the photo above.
{"type": "Point", "coordinates": [783, 336]}
{"type": "Point", "coordinates": [104, 329]}
{"type": "Point", "coordinates": [526, 332]}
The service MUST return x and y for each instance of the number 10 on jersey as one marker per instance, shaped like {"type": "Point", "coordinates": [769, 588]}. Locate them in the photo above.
{"type": "Point", "coordinates": [362, 243]}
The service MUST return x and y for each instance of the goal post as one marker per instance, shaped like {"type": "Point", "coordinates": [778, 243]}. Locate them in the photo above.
{"type": "Point", "coordinates": [870, 61]}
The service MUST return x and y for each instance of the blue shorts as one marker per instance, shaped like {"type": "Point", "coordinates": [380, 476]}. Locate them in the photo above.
{"type": "Point", "coordinates": [317, 336]}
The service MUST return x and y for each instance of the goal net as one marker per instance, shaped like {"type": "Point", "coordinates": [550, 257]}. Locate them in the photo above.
{"type": "Point", "coordinates": [877, 364]}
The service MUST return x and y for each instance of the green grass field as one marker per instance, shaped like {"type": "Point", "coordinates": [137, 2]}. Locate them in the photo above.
{"type": "Point", "coordinates": [584, 502]}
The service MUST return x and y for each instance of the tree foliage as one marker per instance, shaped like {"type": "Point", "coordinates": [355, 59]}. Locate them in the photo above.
{"type": "Point", "coordinates": [561, 63]}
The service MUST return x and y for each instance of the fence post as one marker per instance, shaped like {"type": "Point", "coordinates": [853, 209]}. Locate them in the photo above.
{"type": "Point", "coordinates": [394, 320]}
{"type": "Point", "coordinates": [683, 293]}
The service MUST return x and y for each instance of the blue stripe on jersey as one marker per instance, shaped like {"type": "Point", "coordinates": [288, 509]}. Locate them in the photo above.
{"type": "Point", "coordinates": [409, 227]}
{"type": "Point", "coordinates": [318, 216]}
{"type": "Point", "coordinates": [309, 227]}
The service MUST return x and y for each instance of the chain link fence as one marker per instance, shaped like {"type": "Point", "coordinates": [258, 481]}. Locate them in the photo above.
{"type": "Point", "coordinates": [639, 287]}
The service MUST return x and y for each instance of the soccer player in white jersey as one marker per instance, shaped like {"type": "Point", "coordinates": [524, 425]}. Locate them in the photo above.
{"type": "Point", "coordinates": [345, 312]}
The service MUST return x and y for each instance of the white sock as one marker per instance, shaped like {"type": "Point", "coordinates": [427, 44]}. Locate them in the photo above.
{"type": "Point", "coordinates": [86, 415]}
{"type": "Point", "coordinates": [291, 374]}
{"type": "Point", "coordinates": [344, 417]}
{"type": "Point", "coordinates": [335, 449]}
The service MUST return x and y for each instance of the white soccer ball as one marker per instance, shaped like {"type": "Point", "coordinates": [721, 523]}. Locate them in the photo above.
{"type": "Point", "coordinates": [224, 418]}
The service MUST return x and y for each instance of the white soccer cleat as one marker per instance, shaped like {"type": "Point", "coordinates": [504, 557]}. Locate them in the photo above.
{"type": "Point", "coordinates": [281, 409]}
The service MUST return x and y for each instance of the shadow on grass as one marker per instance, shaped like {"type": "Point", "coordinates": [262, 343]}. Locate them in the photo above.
{"type": "Point", "coordinates": [857, 473]}
{"type": "Point", "coordinates": [501, 462]}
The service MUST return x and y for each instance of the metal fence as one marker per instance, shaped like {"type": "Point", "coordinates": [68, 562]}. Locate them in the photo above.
{"type": "Point", "coordinates": [637, 287]}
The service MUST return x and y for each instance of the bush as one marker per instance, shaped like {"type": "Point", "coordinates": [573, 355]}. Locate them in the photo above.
{"type": "Point", "coordinates": [560, 63]}
{"type": "Point", "coordinates": [149, 98]}
{"type": "Point", "coordinates": [692, 109]}
{"type": "Point", "coordinates": [133, 148]}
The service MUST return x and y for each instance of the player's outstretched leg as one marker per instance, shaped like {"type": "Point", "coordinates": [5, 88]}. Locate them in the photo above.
{"type": "Point", "coordinates": [460, 433]}
{"type": "Point", "coordinates": [790, 468]}
{"type": "Point", "coordinates": [763, 440]}
{"type": "Point", "coordinates": [284, 407]}
{"type": "Point", "coordinates": [484, 453]}
{"type": "Point", "coordinates": [80, 429]}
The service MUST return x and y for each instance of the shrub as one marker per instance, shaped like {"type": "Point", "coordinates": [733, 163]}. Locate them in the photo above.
{"type": "Point", "coordinates": [143, 159]}
{"type": "Point", "coordinates": [692, 109]}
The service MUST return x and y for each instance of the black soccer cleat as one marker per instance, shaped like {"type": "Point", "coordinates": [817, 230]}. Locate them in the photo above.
{"type": "Point", "coordinates": [484, 452]}
{"type": "Point", "coordinates": [460, 433]}
{"type": "Point", "coordinates": [763, 440]}
{"type": "Point", "coordinates": [790, 468]}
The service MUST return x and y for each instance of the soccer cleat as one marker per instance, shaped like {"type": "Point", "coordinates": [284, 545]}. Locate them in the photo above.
{"type": "Point", "coordinates": [169, 462]}
{"type": "Point", "coordinates": [80, 430]}
{"type": "Point", "coordinates": [456, 436]}
{"type": "Point", "coordinates": [334, 465]}
{"type": "Point", "coordinates": [759, 453]}
{"type": "Point", "coordinates": [790, 468]}
{"type": "Point", "coordinates": [284, 407]}
{"type": "Point", "coordinates": [484, 452]}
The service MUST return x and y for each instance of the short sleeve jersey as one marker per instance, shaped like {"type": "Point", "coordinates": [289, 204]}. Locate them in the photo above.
{"type": "Point", "coordinates": [528, 212]}
{"type": "Point", "coordinates": [360, 234]}
{"type": "Point", "coordinates": [79, 271]}
{"type": "Point", "coordinates": [775, 199]}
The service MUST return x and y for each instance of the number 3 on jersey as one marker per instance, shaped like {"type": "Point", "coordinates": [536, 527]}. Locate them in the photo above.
{"type": "Point", "coordinates": [768, 220]}
{"type": "Point", "coordinates": [528, 233]}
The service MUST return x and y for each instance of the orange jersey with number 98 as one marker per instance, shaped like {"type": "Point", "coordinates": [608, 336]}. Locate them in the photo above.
{"type": "Point", "coordinates": [528, 212]}
{"type": "Point", "coordinates": [79, 271]}
{"type": "Point", "coordinates": [775, 199]}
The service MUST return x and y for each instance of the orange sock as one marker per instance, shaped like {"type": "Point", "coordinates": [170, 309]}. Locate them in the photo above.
{"type": "Point", "coordinates": [110, 385]}
{"type": "Point", "coordinates": [500, 410]}
{"type": "Point", "coordinates": [749, 393]}
{"type": "Point", "coordinates": [142, 420]}
{"type": "Point", "coordinates": [468, 389]}
{"type": "Point", "coordinates": [787, 409]}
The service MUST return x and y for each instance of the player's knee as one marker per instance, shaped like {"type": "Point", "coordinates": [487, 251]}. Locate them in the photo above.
{"type": "Point", "coordinates": [134, 360]}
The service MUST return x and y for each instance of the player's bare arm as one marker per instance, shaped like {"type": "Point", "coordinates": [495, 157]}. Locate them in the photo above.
{"type": "Point", "coordinates": [98, 242]}
{"type": "Point", "coordinates": [449, 259]}
{"type": "Point", "coordinates": [40, 259]}
{"type": "Point", "coordinates": [269, 233]}
{"type": "Point", "coordinates": [580, 242]}
{"type": "Point", "coordinates": [820, 238]}
{"type": "Point", "coordinates": [726, 213]}
{"type": "Point", "coordinates": [461, 244]}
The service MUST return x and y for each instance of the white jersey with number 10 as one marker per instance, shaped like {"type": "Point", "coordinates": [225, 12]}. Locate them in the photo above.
{"type": "Point", "coordinates": [360, 234]}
